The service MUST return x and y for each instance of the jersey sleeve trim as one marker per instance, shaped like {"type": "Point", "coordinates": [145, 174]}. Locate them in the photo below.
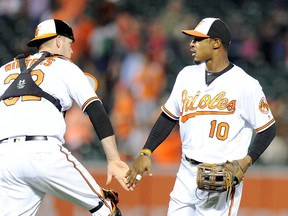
{"type": "Point", "coordinates": [166, 111]}
{"type": "Point", "coordinates": [258, 130]}
{"type": "Point", "coordinates": [90, 100]}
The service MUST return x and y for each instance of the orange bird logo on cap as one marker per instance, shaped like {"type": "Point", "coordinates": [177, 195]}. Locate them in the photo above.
{"type": "Point", "coordinates": [36, 31]}
{"type": "Point", "coordinates": [200, 23]}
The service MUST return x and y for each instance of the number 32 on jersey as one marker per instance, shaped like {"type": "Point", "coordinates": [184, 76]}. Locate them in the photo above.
{"type": "Point", "coordinates": [39, 79]}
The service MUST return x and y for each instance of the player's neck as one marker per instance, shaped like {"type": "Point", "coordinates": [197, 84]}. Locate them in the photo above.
{"type": "Point", "coordinates": [215, 66]}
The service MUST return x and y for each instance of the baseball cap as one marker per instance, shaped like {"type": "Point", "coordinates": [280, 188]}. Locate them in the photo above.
{"type": "Point", "coordinates": [211, 27]}
{"type": "Point", "coordinates": [50, 28]}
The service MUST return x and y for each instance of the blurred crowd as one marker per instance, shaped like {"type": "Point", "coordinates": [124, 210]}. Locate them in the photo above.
{"type": "Point", "coordinates": [135, 49]}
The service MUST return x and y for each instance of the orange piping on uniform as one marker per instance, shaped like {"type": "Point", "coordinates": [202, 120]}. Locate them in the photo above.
{"type": "Point", "coordinates": [86, 180]}
{"type": "Point", "coordinates": [88, 101]}
{"type": "Point", "coordinates": [265, 126]}
{"type": "Point", "coordinates": [169, 113]}
{"type": "Point", "coordinates": [232, 202]}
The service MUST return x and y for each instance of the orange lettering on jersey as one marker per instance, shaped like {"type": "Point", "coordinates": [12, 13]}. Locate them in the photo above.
{"type": "Point", "coordinates": [29, 62]}
{"type": "Point", "coordinates": [204, 101]}
{"type": "Point", "coordinates": [12, 65]}
{"type": "Point", "coordinates": [218, 105]}
{"type": "Point", "coordinates": [17, 64]}
{"type": "Point", "coordinates": [48, 61]}
{"type": "Point", "coordinates": [188, 101]}
{"type": "Point", "coordinates": [8, 67]}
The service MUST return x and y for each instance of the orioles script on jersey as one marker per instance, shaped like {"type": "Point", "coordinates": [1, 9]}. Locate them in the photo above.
{"type": "Point", "coordinates": [218, 105]}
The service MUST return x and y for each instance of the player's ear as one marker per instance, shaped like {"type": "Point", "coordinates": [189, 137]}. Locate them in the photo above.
{"type": "Point", "coordinates": [216, 43]}
{"type": "Point", "coordinates": [58, 41]}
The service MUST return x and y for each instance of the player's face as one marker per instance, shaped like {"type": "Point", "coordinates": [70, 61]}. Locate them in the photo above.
{"type": "Point", "coordinates": [201, 49]}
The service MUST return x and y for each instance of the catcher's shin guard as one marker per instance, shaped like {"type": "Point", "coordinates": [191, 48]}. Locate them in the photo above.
{"type": "Point", "coordinates": [113, 197]}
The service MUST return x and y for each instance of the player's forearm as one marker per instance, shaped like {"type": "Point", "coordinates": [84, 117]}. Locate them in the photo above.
{"type": "Point", "coordinates": [103, 128]}
{"type": "Point", "coordinates": [99, 119]}
{"type": "Point", "coordinates": [162, 128]}
{"type": "Point", "coordinates": [261, 142]}
{"type": "Point", "coordinates": [110, 148]}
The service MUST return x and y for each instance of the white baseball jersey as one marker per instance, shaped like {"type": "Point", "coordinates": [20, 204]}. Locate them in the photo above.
{"type": "Point", "coordinates": [28, 115]}
{"type": "Point", "coordinates": [31, 169]}
{"type": "Point", "coordinates": [217, 121]}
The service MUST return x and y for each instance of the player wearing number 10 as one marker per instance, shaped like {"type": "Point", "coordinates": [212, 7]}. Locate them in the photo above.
{"type": "Point", "coordinates": [218, 107]}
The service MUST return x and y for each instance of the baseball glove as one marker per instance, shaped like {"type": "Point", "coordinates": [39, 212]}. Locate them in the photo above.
{"type": "Point", "coordinates": [219, 177]}
{"type": "Point", "coordinates": [113, 197]}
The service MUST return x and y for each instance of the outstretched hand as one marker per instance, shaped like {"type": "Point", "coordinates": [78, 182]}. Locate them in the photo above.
{"type": "Point", "coordinates": [141, 165]}
{"type": "Point", "coordinates": [118, 170]}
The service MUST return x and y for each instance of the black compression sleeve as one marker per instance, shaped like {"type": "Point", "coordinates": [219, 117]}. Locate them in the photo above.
{"type": "Point", "coordinates": [99, 119]}
{"type": "Point", "coordinates": [261, 142]}
{"type": "Point", "coordinates": [161, 129]}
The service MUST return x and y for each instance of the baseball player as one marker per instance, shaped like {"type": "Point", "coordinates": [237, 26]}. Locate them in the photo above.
{"type": "Point", "coordinates": [36, 90]}
{"type": "Point", "coordinates": [218, 107]}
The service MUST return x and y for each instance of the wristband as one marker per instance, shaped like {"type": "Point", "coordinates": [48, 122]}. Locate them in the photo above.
{"type": "Point", "coordinates": [146, 152]}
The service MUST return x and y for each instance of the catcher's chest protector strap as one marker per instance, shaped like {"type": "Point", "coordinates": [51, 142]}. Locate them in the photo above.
{"type": "Point", "coordinates": [25, 85]}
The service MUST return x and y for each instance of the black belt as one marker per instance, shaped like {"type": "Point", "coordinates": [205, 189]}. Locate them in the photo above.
{"type": "Point", "coordinates": [192, 161]}
{"type": "Point", "coordinates": [27, 138]}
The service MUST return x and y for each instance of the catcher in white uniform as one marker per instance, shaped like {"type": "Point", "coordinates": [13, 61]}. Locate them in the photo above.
{"type": "Point", "coordinates": [218, 107]}
{"type": "Point", "coordinates": [36, 90]}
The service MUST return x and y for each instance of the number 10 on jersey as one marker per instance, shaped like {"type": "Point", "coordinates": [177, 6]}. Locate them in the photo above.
{"type": "Point", "coordinates": [220, 130]}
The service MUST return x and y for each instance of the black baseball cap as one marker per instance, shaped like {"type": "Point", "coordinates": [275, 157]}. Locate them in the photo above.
{"type": "Point", "coordinates": [211, 27]}
{"type": "Point", "coordinates": [51, 28]}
